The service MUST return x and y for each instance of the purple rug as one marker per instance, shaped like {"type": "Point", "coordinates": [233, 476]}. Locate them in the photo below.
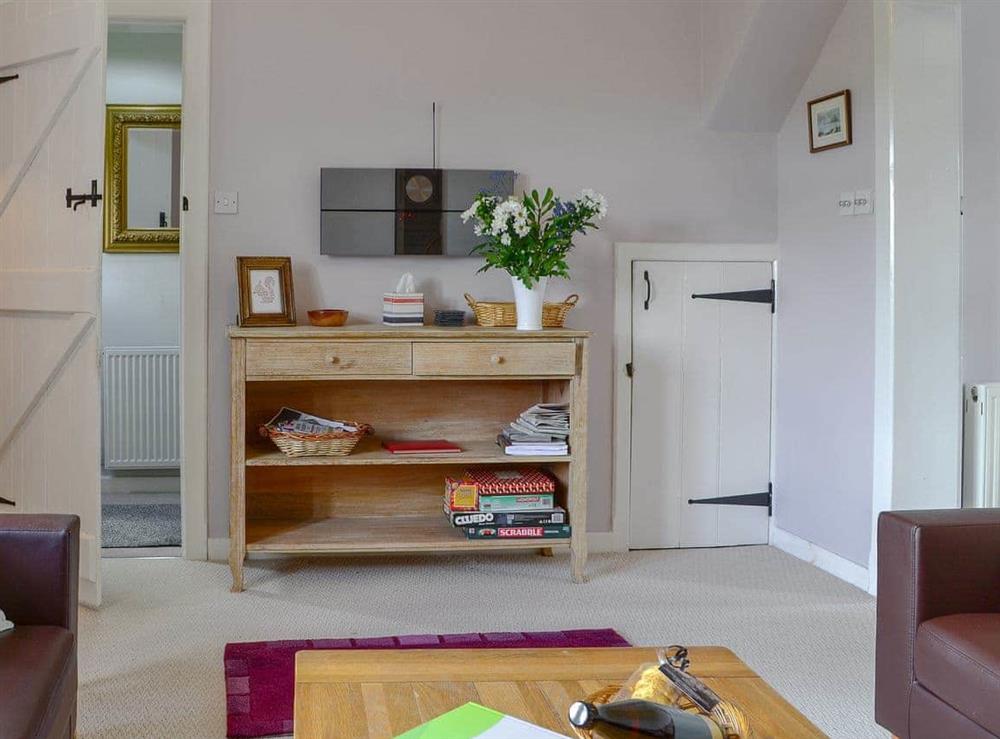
{"type": "Point", "coordinates": [260, 676]}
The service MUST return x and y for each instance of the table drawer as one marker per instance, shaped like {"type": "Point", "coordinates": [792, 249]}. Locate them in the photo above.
{"type": "Point", "coordinates": [494, 358]}
{"type": "Point", "coordinates": [319, 358]}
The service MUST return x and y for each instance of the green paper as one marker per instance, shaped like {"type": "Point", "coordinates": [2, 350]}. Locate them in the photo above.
{"type": "Point", "coordinates": [464, 722]}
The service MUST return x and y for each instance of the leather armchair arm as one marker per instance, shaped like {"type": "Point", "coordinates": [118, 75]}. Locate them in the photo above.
{"type": "Point", "coordinates": [930, 563]}
{"type": "Point", "coordinates": [40, 569]}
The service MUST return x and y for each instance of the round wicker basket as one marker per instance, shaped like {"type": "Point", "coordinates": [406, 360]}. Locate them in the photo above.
{"type": "Point", "coordinates": [730, 718]}
{"type": "Point", "coordinates": [330, 444]}
{"type": "Point", "coordinates": [505, 314]}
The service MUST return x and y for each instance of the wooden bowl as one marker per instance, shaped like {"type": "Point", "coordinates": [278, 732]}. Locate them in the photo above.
{"type": "Point", "coordinates": [328, 317]}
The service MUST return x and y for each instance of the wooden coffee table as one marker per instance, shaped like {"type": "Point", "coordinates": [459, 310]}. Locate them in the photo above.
{"type": "Point", "coordinates": [379, 694]}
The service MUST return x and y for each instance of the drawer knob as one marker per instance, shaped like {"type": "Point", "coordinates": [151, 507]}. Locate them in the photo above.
{"type": "Point", "coordinates": [334, 360]}
{"type": "Point", "coordinates": [496, 359]}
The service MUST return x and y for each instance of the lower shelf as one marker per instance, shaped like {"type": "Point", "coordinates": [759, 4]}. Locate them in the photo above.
{"type": "Point", "coordinates": [375, 534]}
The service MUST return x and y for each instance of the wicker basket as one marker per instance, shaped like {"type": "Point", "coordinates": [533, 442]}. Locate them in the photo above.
{"type": "Point", "coordinates": [330, 444]}
{"type": "Point", "coordinates": [505, 314]}
{"type": "Point", "coordinates": [731, 719]}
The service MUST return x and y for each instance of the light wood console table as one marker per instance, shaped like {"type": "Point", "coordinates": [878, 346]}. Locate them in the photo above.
{"type": "Point", "coordinates": [460, 384]}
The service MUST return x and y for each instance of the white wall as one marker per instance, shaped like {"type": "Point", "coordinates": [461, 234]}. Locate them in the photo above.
{"type": "Point", "coordinates": [826, 292]}
{"type": "Point", "coordinates": [144, 64]}
{"type": "Point", "coordinates": [140, 293]}
{"type": "Point", "coordinates": [981, 171]}
{"type": "Point", "coordinates": [606, 96]}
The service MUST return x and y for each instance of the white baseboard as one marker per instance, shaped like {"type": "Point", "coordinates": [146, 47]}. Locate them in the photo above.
{"type": "Point", "coordinates": [218, 549]}
{"type": "Point", "coordinates": [838, 566]}
{"type": "Point", "coordinates": [598, 542]}
{"type": "Point", "coordinates": [124, 483]}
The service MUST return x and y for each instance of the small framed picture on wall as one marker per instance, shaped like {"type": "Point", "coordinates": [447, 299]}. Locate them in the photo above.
{"type": "Point", "coordinates": [830, 121]}
{"type": "Point", "coordinates": [267, 297]}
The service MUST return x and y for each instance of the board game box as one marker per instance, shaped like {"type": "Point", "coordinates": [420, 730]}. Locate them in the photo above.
{"type": "Point", "coordinates": [517, 532]}
{"type": "Point", "coordinates": [516, 502]}
{"type": "Point", "coordinates": [508, 518]}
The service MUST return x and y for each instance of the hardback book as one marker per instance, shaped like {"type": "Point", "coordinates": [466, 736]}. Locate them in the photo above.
{"type": "Point", "coordinates": [504, 481]}
{"type": "Point", "coordinates": [541, 517]}
{"type": "Point", "coordinates": [422, 446]}
{"type": "Point", "coordinates": [527, 502]}
{"type": "Point", "coordinates": [473, 721]}
{"type": "Point", "coordinates": [518, 532]}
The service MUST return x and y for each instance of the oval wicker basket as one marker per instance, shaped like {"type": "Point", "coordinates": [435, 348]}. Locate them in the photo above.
{"type": "Point", "coordinates": [505, 314]}
{"type": "Point", "coordinates": [330, 444]}
{"type": "Point", "coordinates": [730, 718]}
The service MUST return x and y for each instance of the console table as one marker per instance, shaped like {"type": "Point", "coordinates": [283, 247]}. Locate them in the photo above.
{"type": "Point", "coordinates": [461, 384]}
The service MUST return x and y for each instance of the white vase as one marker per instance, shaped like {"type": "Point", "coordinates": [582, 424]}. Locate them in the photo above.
{"type": "Point", "coordinates": [528, 301]}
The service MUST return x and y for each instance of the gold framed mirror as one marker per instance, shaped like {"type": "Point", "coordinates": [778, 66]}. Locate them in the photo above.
{"type": "Point", "coordinates": [142, 155]}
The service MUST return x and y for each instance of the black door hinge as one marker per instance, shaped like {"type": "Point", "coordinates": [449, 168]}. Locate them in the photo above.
{"type": "Point", "coordinates": [743, 296]}
{"type": "Point", "coordinates": [75, 201]}
{"type": "Point", "coordinates": [628, 369]}
{"type": "Point", "coordinates": [184, 202]}
{"type": "Point", "coordinates": [751, 499]}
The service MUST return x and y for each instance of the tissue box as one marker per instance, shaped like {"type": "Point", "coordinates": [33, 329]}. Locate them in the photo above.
{"type": "Point", "coordinates": [403, 309]}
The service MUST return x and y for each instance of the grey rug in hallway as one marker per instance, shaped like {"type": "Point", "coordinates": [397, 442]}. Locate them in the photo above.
{"type": "Point", "coordinates": [141, 525]}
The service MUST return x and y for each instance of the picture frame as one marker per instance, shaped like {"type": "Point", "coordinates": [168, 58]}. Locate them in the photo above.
{"type": "Point", "coordinates": [142, 141]}
{"type": "Point", "coordinates": [830, 124]}
{"type": "Point", "coordinates": [267, 295]}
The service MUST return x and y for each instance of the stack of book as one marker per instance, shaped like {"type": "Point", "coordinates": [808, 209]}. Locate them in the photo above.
{"type": "Point", "coordinates": [542, 430]}
{"type": "Point", "coordinates": [505, 504]}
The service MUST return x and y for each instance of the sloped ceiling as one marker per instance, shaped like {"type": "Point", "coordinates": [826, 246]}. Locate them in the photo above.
{"type": "Point", "coordinates": [756, 56]}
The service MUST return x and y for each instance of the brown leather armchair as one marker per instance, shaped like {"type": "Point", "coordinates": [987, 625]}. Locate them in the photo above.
{"type": "Point", "coordinates": [39, 570]}
{"type": "Point", "coordinates": [937, 648]}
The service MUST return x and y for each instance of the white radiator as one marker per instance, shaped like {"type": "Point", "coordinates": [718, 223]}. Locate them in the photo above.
{"type": "Point", "coordinates": [981, 450]}
{"type": "Point", "coordinates": [141, 388]}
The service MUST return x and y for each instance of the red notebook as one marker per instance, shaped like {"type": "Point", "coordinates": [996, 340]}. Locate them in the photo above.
{"type": "Point", "coordinates": [422, 446]}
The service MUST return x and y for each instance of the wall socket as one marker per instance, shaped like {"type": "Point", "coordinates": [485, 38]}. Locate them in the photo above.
{"type": "Point", "coordinates": [862, 202]}
{"type": "Point", "coordinates": [856, 203]}
{"type": "Point", "coordinates": [227, 202]}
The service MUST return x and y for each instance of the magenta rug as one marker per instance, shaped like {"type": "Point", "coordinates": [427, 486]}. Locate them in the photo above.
{"type": "Point", "coordinates": [260, 676]}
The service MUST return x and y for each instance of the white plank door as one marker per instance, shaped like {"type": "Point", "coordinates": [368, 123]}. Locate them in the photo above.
{"type": "Point", "coordinates": [701, 404]}
{"type": "Point", "coordinates": [51, 138]}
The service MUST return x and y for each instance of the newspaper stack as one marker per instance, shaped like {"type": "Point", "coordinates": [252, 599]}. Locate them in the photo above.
{"type": "Point", "coordinates": [291, 420]}
{"type": "Point", "coordinates": [542, 430]}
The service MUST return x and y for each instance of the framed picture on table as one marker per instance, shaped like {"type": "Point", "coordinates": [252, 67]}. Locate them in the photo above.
{"type": "Point", "coordinates": [267, 297]}
{"type": "Point", "coordinates": [830, 121]}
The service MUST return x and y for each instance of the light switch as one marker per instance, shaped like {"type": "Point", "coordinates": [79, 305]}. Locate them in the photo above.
{"type": "Point", "coordinates": [227, 202]}
{"type": "Point", "coordinates": [846, 204]}
{"type": "Point", "coordinates": [862, 202]}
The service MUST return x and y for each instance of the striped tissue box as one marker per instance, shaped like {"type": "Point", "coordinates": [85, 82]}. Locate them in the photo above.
{"type": "Point", "coordinates": [403, 309]}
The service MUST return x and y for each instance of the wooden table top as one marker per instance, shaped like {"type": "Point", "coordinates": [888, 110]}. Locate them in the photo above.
{"type": "Point", "coordinates": [379, 694]}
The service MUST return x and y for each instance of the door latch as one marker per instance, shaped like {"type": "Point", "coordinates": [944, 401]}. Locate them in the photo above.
{"type": "Point", "coordinates": [75, 201]}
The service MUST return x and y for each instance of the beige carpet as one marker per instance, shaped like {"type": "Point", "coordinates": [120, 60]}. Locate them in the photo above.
{"type": "Point", "coordinates": [151, 658]}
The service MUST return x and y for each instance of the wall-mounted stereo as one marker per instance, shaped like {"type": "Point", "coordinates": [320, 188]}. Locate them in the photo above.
{"type": "Point", "coordinates": [394, 212]}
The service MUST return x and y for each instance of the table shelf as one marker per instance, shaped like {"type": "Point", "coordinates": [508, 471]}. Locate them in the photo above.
{"type": "Point", "coordinates": [370, 452]}
{"type": "Point", "coordinates": [459, 384]}
{"type": "Point", "coordinates": [375, 534]}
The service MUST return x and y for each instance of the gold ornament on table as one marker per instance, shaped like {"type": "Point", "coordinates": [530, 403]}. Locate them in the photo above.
{"type": "Point", "coordinates": [670, 684]}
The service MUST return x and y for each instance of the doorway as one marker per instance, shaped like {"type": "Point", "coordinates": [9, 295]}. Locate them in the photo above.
{"type": "Point", "coordinates": [693, 395]}
{"type": "Point", "coordinates": [141, 292]}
